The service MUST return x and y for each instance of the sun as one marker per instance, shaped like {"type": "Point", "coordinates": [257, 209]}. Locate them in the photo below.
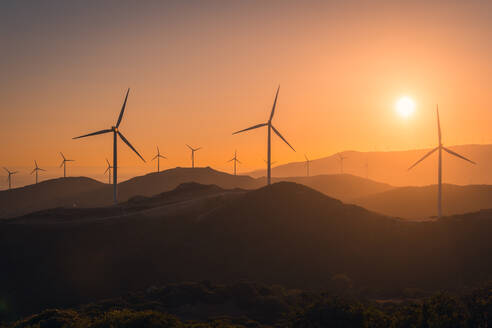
{"type": "Point", "coordinates": [405, 106]}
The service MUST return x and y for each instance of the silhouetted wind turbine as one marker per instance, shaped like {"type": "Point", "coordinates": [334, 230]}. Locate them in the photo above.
{"type": "Point", "coordinates": [270, 128]}
{"type": "Point", "coordinates": [341, 162]}
{"type": "Point", "coordinates": [307, 164]}
{"type": "Point", "coordinates": [158, 157]}
{"type": "Point", "coordinates": [64, 164]}
{"type": "Point", "coordinates": [11, 173]}
{"type": "Point", "coordinates": [235, 161]}
{"type": "Point", "coordinates": [116, 133]}
{"type": "Point", "coordinates": [36, 169]}
{"type": "Point", "coordinates": [108, 170]}
{"type": "Point", "coordinates": [193, 150]}
{"type": "Point", "coordinates": [440, 148]}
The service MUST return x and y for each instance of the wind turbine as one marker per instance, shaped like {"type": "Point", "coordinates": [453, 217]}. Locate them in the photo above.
{"type": "Point", "coordinates": [440, 148]}
{"type": "Point", "coordinates": [158, 157]}
{"type": "Point", "coordinates": [307, 164]}
{"type": "Point", "coordinates": [270, 128]}
{"type": "Point", "coordinates": [193, 150]}
{"type": "Point", "coordinates": [108, 170]}
{"type": "Point", "coordinates": [341, 162]}
{"type": "Point", "coordinates": [116, 132]}
{"type": "Point", "coordinates": [235, 161]}
{"type": "Point", "coordinates": [11, 173]}
{"type": "Point", "coordinates": [36, 169]}
{"type": "Point", "coordinates": [64, 164]}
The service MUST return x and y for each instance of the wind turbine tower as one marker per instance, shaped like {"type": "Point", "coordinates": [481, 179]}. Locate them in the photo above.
{"type": "Point", "coordinates": [10, 173]}
{"type": "Point", "coordinates": [193, 150]}
{"type": "Point", "coordinates": [307, 165]}
{"type": "Point", "coordinates": [440, 148]}
{"type": "Point", "coordinates": [158, 157]}
{"type": "Point", "coordinates": [36, 170]}
{"type": "Point", "coordinates": [270, 127]}
{"type": "Point", "coordinates": [116, 133]}
{"type": "Point", "coordinates": [235, 161]}
{"type": "Point", "coordinates": [64, 164]}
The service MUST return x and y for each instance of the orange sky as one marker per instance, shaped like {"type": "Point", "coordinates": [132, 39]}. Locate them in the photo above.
{"type": "Point", "coordinates": [199, 70]}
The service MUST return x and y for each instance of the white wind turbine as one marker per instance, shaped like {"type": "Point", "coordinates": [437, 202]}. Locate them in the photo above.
{"type": "Point", "coordinates": [116, 133]}
{"type": "Point", "coordinates": [10, 173]}
{"type": "Point", "coordinates": [64, 164]}
{"type": "Point", "coordinates": [440, 148]}
{"type": "Point", "coordinates": [307, 164]}
{"type": "Point", "coordinates": [193, 150]}
{"type": "Point", "coordinates": [158, 157]}
{"type": "Point", "coordinates": [37, 169]}
{"type": "Point", "coordinates": [269, 141]}
{"type": "Point", "coordinates": [108, 170]}
{"type": "Point", "coordinates": [235, 161]}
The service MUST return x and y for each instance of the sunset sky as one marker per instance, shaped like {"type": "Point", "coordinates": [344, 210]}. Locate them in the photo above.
{"type": "Point", "coordinates": [200, 70]}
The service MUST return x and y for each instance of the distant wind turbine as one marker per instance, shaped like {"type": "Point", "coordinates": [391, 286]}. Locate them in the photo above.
{"type": "Point", "coordinates": [10, 173]}
{"type": "Point", "coordinates": [341, 162]}
{"type": "Point", "coordinates": [270, 128]}
{"type": "Point", "coordinates": [193, 150]}
{"type": "Point", "coordinates": [235, 161]}
{"type": "Point", "coordinates": [116, 132]}
{"type": "Point", "coordinates": [108, 170]}
{"type": "Point", "coordinates": [64, 164]}
{"type": "Point", "coordinates": [307, 164]}
{"type": "Point", "coordinates": [158, 157]}
{"type": "Point", "coordinates": [36, 170]}
{"type": "Point", "coordinates": [440, 148]}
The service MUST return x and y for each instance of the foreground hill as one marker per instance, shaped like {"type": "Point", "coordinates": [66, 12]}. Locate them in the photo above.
{"type": "Point", "coordinates": [421, 202]}
{"type": "Point", "coordinates": [391, 166]}
{"type": "Point", "coordinates": [83, 192]}
{"type": "Point", "coordinates": [285, 233]}
{"type": "Point", "coordinates": [46, 194]}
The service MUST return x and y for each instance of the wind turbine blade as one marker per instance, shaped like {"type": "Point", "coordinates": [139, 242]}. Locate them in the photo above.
{"type": "Point", "coordinates": [107, 170]}
{"type": "Point", "coordinates": [425, 156]}
{"type": "Point", "coordinates": [15, 172]}
{"type": "Point", "coordinates": [61, 165]}
{"type": "Point", "coordinates": [251, 128]}
{"type": "Point", "coordinates": [62, 155]}
{"type": "Point", "coordinates": [158, 152]}
{"type": "Point", "coordinates": [274, 105]}
{"type": "Point", "coordinates": [6, 170]}
{"type": "Point", "coordinates": [238, 161]}
{"type": "Point", "coordinates": [130, 145]}
{"type": "Point", "coordinates": [189, 147]}
{"type": "Point", "coordinates": [230, 160]}
{"type": "Point", "coordinates": [162, 156]}
{"type": "Point", "coordinates": [198, 149]}
{"type": "Point", "coordinates": [278, 133]}
{"type": "Point", "coordinates": [94, 133]}
{"type": "Point", "coordinates": [458, 155]}
{"type": "Point", "coordinates": [108, 162]}
{"type": "Point", "coordinates": [122, 109]}
{"type": "Point", "coordinates": [33, 171]}
{"type": "Point", "coordinates": [36, 164]}
{"type": "Point", "coordinates": [41, 169]}
{"type": "Point", "coordinates": [306, 157]}
{"type": "Point", "coordinates": [155, 157]}
{"type": "Point", "coordinates": [438, 123]}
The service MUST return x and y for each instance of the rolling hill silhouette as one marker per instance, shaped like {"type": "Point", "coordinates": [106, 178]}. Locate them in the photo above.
{"type": "Point", "coordinates": [420, 202]}
{"type": "Point", "coordinates": [46, 194]}
{"type": "Point", "coordinates": [66, 193]}
{"type": "Point", "coordinates": [285, 233]}
{"type": "Point", "coordinates": [391, 166]}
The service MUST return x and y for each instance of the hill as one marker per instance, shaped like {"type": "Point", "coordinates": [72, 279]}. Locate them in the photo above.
{"type": "Point", "coordinates": [421, 202]}
{"type": "Point", "coordinates": [84, 192]}
{"type": "Point", "coordinates": [46, 194]}
{"type": "Point", "coordinates": [391, 166]}
{"type": "Point", "coordinates": [281, 234]}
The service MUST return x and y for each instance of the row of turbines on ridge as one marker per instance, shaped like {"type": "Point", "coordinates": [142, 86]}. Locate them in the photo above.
{"type": "Point", "coordinates": [113, 169]}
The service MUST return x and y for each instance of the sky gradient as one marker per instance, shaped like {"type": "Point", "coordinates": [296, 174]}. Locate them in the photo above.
{"type": "Point", "coordinates": [200, 70]}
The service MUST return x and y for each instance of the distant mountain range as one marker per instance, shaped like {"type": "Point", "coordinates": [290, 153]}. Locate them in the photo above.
{"type": "Point", "coordinates": [405, 202]}
{"type": "Point", "coordinates": [392, 166]}
{"type": "Point", "coordinates": [285, 234]}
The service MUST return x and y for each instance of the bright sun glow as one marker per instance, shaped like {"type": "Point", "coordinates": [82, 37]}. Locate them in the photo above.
{"type": "Point", "coordinates": [405, 106]}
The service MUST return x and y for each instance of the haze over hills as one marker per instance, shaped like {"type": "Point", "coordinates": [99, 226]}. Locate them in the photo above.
{"type": "Point", "coordinates": [421, 202]}
{"type": "Point", "coordinates": [392, 166]}
{"type": "Point", "coordinates": [285, 233]}
{"type": "Point", "coordinates": [344, 187]}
